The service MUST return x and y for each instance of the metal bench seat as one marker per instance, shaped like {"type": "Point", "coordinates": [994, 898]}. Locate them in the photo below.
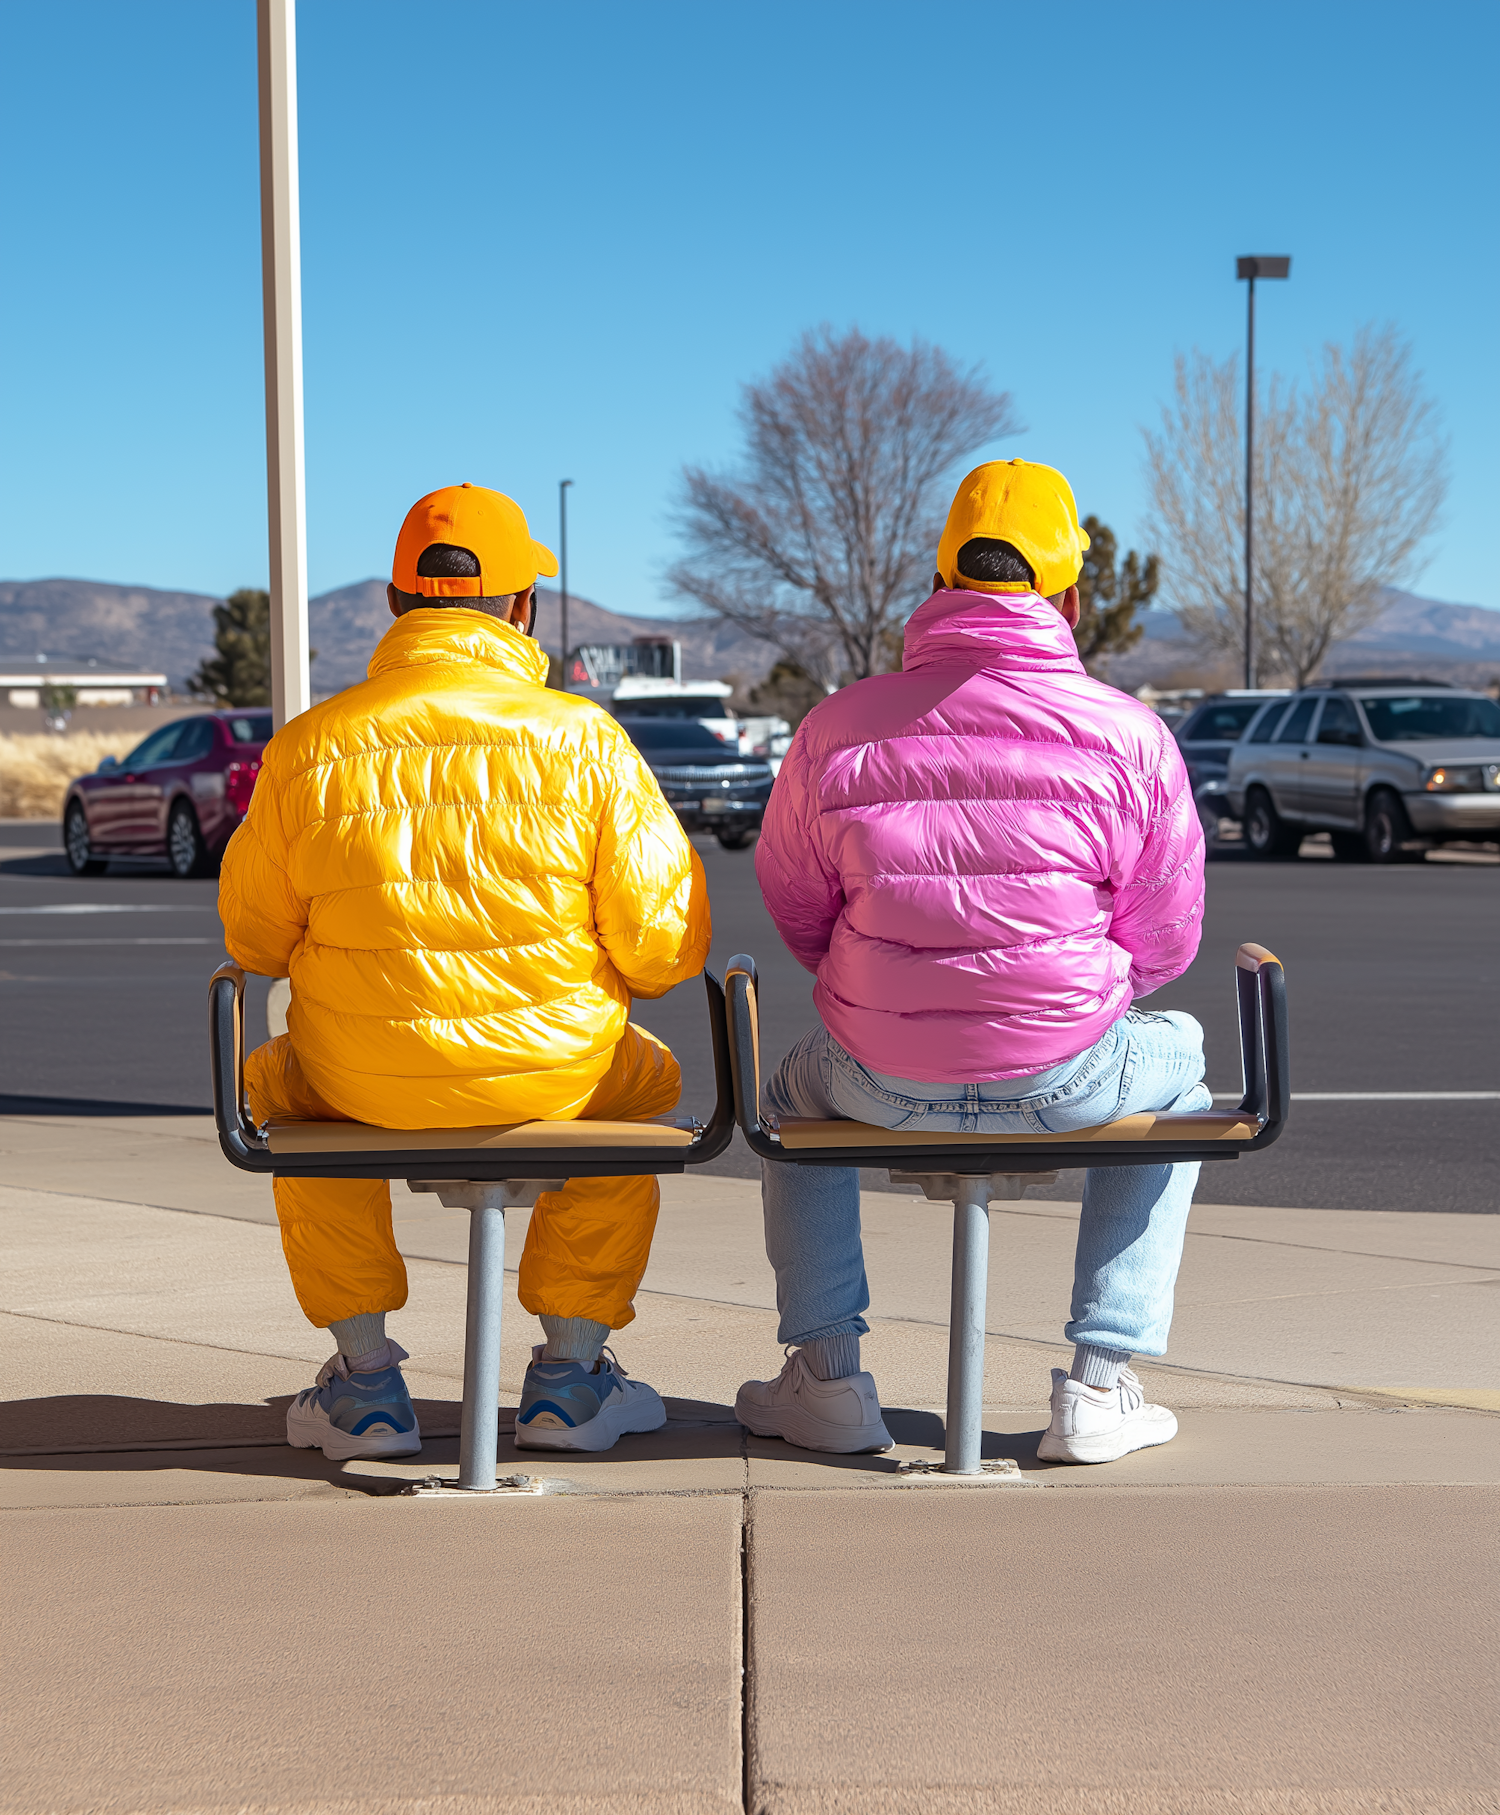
{"type": "Point", "coordinates": [309, 1139]}
{"type": "Point", "coordinates": [484, 1170]}
{"type": "Point", "coordinates": [972, 1170]}
{"type": "Point", "coordinates": [800, 1132]}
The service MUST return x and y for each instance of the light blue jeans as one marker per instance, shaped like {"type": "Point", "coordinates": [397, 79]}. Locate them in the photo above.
{"type": "Point", "coordinates": [1134, 1218]}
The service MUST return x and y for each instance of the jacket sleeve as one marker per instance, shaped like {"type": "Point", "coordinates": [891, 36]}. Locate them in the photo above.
{"type": "Point", "coordinates": [650, 895]}
{"type": "Point", "coordinates": [802, 893]}
{"type": "Point", "coordinates": [1158, 913]}
{"type": "Point", "coordinates": [264, 918]}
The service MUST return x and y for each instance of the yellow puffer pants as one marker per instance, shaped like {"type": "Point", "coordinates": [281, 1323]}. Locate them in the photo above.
{"type": "Point", "coordinates": [587, 1246]}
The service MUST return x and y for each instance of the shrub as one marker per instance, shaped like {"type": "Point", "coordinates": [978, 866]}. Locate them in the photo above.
{"type": "Point", "coordinates": [35, 769]}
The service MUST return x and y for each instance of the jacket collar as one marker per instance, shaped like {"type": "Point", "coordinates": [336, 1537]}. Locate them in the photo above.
{"type": "Point", "coordinates": [990, 630]}
{"type": "Point", "coordinates": [447, 633]}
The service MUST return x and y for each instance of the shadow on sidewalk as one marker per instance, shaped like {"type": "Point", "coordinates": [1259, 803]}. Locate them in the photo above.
{"type": "Point", "coordinates": [106, 1433]}
{"type": "Point", "coordinates": [77, 1423]}
{"type": "Point", "coordinates": [919, 1430]}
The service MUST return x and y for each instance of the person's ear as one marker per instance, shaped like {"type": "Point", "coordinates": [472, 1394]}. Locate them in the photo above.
{"type": "Point", "coordinates": [521, 607]}
{"type": "Point", "coordinates": [393, 599]}
{"type": "Point", "coordinates": [1069, 604]}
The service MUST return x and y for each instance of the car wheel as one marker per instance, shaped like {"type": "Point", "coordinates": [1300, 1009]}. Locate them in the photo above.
{"type": "Point", "coordinates": [186, 851]}
{"type": "Point", "coordinates": [1387, 829]}
{"type": "Point", "coordinates": [1348, 847]}
{"type": "Point", "coordinates": [1208, 818]}
{"type": "Point", "coordinates": [1266, 833]}
{"type": "Point", "coordinates": [81, 860]}
{"type": "Point", "coordinates": [735, 838]}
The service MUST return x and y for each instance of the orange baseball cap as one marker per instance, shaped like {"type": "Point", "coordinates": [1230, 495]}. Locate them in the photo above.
{"type": "Point", "coordinates": [490, 525]}
{"type": "Point", "coordinates": [1026, 504]}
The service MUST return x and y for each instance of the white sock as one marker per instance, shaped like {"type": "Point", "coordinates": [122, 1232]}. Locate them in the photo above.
{"type": "Point", "coordinates": [1098, 1367]}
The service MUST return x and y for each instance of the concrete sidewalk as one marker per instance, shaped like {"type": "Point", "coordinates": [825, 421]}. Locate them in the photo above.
{"type": "Point", "coordinates": [1286, 1609]}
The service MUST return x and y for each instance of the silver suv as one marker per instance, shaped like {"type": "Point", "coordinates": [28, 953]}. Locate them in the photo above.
{"type": "Point", "coordinates": [1387, 769]}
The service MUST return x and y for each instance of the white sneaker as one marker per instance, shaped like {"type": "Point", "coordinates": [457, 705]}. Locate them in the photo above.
{"type": "Point", "coordinates": [1098, 1424]}
{"type": "Point", "coordinates": [842, 1416]}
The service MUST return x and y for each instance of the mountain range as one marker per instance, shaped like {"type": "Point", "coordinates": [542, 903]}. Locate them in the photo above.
{"type": "Point", "coordinates": [146, 627]}
{"type": "Point", "coordinates": [1415, 637]}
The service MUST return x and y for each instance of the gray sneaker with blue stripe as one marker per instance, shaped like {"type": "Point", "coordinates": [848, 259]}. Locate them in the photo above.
{"type": "Point", "coordinates": [350, 1415]}
{"type": "Point", "coordinates": [569, 1405]}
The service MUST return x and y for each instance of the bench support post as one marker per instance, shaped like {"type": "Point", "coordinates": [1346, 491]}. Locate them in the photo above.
{"type": "Point", "coordinates": [486, 1203]}
{"type": "Point", "coordinates": [971, 1265]}
{"type": "Point", "coordinates": [971, 1196]}
{"type": "Point", "coordinates": [480, 1429]}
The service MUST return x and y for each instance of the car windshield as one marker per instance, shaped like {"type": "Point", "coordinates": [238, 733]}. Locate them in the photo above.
{"type": "Point", "coordinates": [682, 705]}
{"type": "Point", "coordinates": [1265, 726]}
{"type": "Point", "coordinates": [157, 748]}
{"type": "Point", "coordinates": [1431, 717]}
{"type": "Point", "coordinates": [251, 728]}
{"type": "Point", "coordinates": [1223, 721]}
{"type": "Point", "coordinates": [674, 737]}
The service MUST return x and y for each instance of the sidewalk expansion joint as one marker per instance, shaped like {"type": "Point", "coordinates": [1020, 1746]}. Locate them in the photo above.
{"type": "Point", "coordinates": [746, 1650]}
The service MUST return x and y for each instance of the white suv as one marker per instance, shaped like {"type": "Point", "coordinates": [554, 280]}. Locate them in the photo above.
{"type": "Point", "coordinates": [1387, 769]}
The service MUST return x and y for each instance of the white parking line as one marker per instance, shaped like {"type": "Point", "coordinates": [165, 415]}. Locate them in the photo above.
{"type": "Point", "coordinates": [52, 944]}
{"type": "Point", "coordinates": [111, 907]}
{"type": "Point", "coordinates": [1376, 1096]}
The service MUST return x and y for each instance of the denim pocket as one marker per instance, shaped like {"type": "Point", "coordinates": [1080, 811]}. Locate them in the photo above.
{"type": "Point", "coordinates": [863, 1098]}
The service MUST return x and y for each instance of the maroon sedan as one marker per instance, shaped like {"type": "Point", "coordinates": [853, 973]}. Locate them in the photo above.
{"type": "Point", "coordinates": [178, 795]}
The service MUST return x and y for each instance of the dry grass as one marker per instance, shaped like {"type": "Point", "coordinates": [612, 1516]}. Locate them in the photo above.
{"type": "Point", "coordinates": [35, 770]}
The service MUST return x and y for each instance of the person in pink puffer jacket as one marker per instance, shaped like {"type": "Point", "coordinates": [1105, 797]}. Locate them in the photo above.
{"type": "Point", "coordinates": [985, 860]}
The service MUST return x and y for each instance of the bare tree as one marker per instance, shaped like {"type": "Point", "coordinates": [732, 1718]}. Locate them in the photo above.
{"type": "Point", "coordinates": [1350, 476]}
{"type": "Point", "coordinates": [825, 539]}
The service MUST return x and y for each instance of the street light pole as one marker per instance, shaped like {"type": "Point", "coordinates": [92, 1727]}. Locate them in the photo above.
{"type": "Point", "coordinates": [281, 280]}
{"type": "Point", "coordinates": [562, 564]}
{"type": "Point", "coordinates": [1251, 268]}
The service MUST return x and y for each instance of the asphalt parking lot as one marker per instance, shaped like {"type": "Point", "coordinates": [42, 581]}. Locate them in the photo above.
{"type": "Point", "coordinates": [1392, 977]}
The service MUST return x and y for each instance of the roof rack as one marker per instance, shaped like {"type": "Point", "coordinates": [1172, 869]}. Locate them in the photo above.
{"type": "Point", "coordinates": [1376, 680]}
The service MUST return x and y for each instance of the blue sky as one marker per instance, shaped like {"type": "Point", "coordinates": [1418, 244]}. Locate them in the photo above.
{"type": "Point", "coordinates": [552, 241]}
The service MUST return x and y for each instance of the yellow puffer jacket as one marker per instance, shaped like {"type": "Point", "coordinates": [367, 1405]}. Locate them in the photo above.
{"type": "Point", "coordinates": [466, 876]}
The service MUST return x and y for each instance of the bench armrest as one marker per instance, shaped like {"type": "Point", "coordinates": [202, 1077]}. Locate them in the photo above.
{"type": "Point", "coordinates": [241, 1141]}
{"type": "Point", "coordinates": [1265, 1051]}
{"type": "Point", "coordinates": [741, 986]}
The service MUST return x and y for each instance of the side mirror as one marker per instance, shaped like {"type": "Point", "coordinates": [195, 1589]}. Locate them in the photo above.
{"type": "Point", "coordinates": [106, 764]}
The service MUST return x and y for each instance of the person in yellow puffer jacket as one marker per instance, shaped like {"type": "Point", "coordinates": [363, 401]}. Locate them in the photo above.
{"type": "Point", "coordinates": [467, 877]}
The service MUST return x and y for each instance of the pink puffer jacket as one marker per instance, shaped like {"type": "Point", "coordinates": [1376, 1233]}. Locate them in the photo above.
{"type": "Point", "coordinates": [986, 856]}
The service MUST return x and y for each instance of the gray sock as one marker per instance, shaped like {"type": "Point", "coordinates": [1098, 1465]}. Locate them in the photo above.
{"type": "Point", "coordinates": [833, 1357]}
{"type": "Point", "coordinates": [573, 1339]}
{"type": "Point", "coordinates": [359, 1336]}
{"type": "Point", "coordinates": [1098, 1367]}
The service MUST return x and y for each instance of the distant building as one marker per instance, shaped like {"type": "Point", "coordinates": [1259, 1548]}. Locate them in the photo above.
{"type": "Point", "coordinates": [93, 681]}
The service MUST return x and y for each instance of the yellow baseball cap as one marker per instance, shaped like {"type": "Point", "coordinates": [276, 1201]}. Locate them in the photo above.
{"type": "Point", "coordinates": [490, 525]}
{"type": "Point", "coordinates": [1023, 503]}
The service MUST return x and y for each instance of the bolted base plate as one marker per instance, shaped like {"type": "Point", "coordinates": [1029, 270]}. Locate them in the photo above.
{"type": "Point", "coordinates": [1002, 1472]}
{"type": "Point", "coordinates": [507, 1487]}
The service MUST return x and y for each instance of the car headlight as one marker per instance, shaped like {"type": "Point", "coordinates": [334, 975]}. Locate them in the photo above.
{"type": "Point", "coordinates": [1457, 778]}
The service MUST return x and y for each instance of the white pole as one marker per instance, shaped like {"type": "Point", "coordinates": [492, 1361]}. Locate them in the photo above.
{"type": "Point", "coordinates": [281, 277]}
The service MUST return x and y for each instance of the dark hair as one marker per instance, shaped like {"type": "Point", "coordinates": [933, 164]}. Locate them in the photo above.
{"type": "Point", "coordinates": [446, 561]}
{"type": "Point", "coordinates": [985, 558]}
